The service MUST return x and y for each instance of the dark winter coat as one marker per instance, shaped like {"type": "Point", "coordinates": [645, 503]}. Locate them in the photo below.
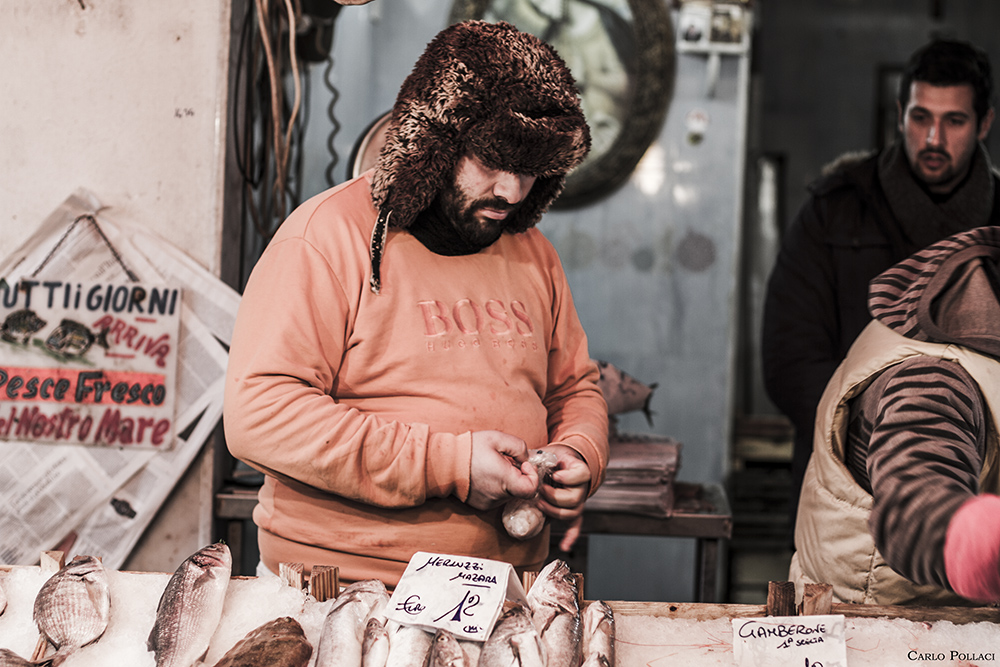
{"type": "Point", "coordinates": [816, 304]}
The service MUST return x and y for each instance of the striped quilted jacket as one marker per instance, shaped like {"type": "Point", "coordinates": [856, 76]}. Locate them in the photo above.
{"type": "Point", "coordinates": [899, 503]}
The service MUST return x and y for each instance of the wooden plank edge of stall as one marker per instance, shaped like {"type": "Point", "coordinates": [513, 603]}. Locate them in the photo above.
{"type": "Point", "coordinates": [707, 611]}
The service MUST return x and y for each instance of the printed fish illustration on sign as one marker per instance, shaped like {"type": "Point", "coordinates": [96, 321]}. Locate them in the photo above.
{"type": "Point", "coordinates": [190, 607]}
{"type": "Point", "coordinates": [73, 606]}
{"type": "Point", "coordinates": [278, 643]}
{"type": "Point", "coordinates": [71, 339]}
{"type": "Point", "coordinates": [20, 326]}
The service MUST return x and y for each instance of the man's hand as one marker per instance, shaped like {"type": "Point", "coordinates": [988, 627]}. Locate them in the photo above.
{"type": "Point", "coordinates": [563, 493]}
{"type": "Point", "coordinates": [500, 470]}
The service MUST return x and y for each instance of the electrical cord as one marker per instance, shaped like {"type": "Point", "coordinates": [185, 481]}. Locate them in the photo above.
{"type": "Point", "coordinates": [334, 123]}
{"type": "Point", "coordinates": [269, 117]}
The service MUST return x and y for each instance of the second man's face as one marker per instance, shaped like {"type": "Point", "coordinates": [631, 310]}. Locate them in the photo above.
{"type": "Point", "coordinates": [480, 199]}
{"type": "Point", "coordinates": [940, 133]}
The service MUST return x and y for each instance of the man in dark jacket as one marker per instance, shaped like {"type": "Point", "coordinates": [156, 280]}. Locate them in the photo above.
{"type": "Point", "coordinates": [867, 213]}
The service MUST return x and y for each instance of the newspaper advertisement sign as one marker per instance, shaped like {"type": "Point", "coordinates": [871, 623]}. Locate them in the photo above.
{"type": "Point", "coordinates": [88, 363]}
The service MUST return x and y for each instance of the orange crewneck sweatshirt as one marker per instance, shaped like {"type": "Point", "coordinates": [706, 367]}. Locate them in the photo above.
{"type": "Point", "coordinates": [359, 407]}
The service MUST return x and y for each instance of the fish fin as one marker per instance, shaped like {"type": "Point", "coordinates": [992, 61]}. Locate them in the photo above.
{"type": "Point", "coordinates": [59, 657]}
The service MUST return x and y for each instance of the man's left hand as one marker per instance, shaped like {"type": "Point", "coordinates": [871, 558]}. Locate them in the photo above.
{"type": "Point", "coordinates": [563, 493]}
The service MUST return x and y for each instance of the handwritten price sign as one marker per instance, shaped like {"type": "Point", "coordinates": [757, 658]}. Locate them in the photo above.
{"type": "Point", "coordinates": [789, 641]}
{"type": "Point", "coordinates": [457, 593]}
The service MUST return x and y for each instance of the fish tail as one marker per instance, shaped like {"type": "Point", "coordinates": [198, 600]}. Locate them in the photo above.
{"type": "Point", "coordinates": [102, 338]}
{"type": "Point", "coordinates": [645, 406]}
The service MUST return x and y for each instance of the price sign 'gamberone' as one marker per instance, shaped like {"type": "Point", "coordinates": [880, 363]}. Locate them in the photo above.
{"type": "Point", "coordinates": [88, 363]}
{"type": "Point", "coordinates": [790, 641]}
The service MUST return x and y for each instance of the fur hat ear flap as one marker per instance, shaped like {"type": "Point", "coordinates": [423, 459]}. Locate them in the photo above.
{"type": "Point", "coordinates": [487, 89]}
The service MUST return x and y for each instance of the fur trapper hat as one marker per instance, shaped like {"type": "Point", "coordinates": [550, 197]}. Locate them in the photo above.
{"type": "Point", "coordinates": [489, 89]}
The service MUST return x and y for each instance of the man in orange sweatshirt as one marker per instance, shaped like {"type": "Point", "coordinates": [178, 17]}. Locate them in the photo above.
{"type": "Point", "coordinates": [408, 337]}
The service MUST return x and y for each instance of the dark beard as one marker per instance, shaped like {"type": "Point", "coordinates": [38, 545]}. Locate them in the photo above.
{"type": "Point", "coordinates": [449, 226]}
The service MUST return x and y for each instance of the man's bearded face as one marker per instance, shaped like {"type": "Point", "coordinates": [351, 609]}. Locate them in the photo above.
{"type": "Point", "coordinates": [478, 200]}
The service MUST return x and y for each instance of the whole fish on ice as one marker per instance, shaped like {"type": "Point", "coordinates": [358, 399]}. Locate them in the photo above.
{"type": "Point", "coordinates": [190, 607]}
{"type": "Point", "coordinates": [409, 645]}
{"type": "Point", "coordinates": [375, 643]}
{"type": "Point", "coordinates": [277, 643]}
{"type": "Point", "coordinates": [514, 641]}
{"type": "Point", "coordinates": [446, 651]}
{"type": "Point", "coordinates": [342, 637]}
{"type": "Point", "coordinates": [73, 606]}
{"type": "Point", "coordinates": [598, 635]}
{"type": "Point", "coordinates": [555, 610]}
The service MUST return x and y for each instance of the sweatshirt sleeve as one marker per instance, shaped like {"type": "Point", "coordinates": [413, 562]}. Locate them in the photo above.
{"type": "Point", "coordinates": [924, 462]}
{"type": "Point", "coordinates": [577, 411]}
{"type": "Point", "coordinates": [280, 413]}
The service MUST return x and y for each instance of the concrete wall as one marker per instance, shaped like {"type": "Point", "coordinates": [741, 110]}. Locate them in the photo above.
{"type": "Point", "coordinates": [126, 99]}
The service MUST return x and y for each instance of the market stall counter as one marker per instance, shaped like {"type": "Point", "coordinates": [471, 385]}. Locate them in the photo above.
{"type": "Point", "coordinates": [120, 619]}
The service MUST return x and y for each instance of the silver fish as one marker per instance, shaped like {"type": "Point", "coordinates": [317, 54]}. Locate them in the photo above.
{"type": "Point", "coordinates": [341, 639]}
{"type": "Point", "coordinates": [73, 606]}
{"type": "Point", "coordinates": [190, 607]}
{"type": "Point", "coordinates": [555, 610]}
{"type": "Point", "coordinates": [514, 641]}
{"type": "Point", "coordinates": [598, 635]}
{"type": "Point", "coordinates": [623, 393]}
{"type": "Point", "coordinates": [375, 644]}
{"type": "Point", "coordinates": [446, 651]}
{"type": "Point", "coordinates": [472, 649]}
{"type": "Point", "coordinates": [277, 643]}
{"type": "Point", "coordinates": [409, 646]}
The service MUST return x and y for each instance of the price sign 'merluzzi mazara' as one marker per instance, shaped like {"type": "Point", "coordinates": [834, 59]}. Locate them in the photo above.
{"type": "Point", "coordinates": [460, 594]}
{"type": "Point", "coordinates": [88, 363]}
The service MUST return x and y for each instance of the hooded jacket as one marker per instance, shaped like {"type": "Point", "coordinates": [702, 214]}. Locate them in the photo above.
{"type": "Point", "coordinates": [899, 502]}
